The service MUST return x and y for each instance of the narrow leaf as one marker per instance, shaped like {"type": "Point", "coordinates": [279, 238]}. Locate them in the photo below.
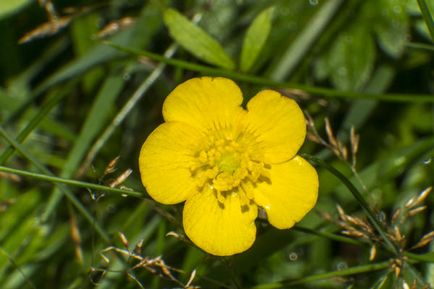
{"type": "Point", "coordinates": [392, 27]}
{"type": "Point", "coordinates": [387, 282]}
{"type": "Point", "coordinates": [10, 6]}
{"type": "Point", "coordinates": [255, 38]}
{"type": "Point", "coordinates": [195, 40]}
{"type": "Point", "coordinates": [352, 58]}
{"type": "Point", "coordinates": [424, 8]}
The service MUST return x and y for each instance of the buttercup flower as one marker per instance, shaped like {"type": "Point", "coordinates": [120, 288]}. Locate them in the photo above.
{"type": "Point", "coordinates": [225, 162]}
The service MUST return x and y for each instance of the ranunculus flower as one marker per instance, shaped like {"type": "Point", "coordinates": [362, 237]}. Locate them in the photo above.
{"type": "Point", "coordinates": [225, 161]}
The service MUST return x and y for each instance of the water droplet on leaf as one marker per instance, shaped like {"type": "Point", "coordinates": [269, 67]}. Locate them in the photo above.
{"type": "Point", "coordinates": [293, 256]}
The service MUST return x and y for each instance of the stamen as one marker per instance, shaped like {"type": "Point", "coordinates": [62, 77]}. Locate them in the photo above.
{"type": "Point", "coordinates": [229, 165]}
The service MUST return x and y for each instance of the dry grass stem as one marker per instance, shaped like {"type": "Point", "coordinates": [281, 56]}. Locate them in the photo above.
{"type": "Point", "coordinates": [155, 266]}
{"type": "Point", "coordinates": [75, 237]}
{"type": "Point", "coordinates": [111, 167]}
{"type": "Point", "coordinates": [49, 9]}
{"type": "Point", "coordinates": [124, 240]}
{"type": "Point", "coordinates": [354, 140]}
{"type": "Point", "coordinates": [115, 26]}
{"type": "Point", "coordinates": [416, 211]}
{"type": "Point", "coordinates": [46, 29]}
{"type": "Point", "coordinates": [423, 195]}
{"type": "Point", "coordinates": [425, 240]}
{"type": "Point", "coordinates": [119, 180]}
{"type": "Point", "coordinates": [372, 253]}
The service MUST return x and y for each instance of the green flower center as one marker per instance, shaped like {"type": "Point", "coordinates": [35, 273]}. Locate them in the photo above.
{"type": "Point", "coordinates": [229, 162]}
{"type": "Point", "coordinates": [227, 165]}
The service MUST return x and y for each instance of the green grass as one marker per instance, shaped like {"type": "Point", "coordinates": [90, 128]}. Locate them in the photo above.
{"type": "Point", "coordinates": [71, 102]}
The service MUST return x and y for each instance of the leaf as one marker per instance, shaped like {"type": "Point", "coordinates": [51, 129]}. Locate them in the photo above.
{"type": "Point", "coordinates": [11, 6]}
{"type": "Point", "coordinates": [255, 38]}
{"type": "Point", "coordinates": [387, 282]}
{"type": "Point", "coordinates": [392, 25]}
{"type": "Point", "coordinates": [307, 38]}
{"type": "Point", "coordinates": [426, 13]}
{"type": "Point", "coordinates": [195, 40]}
{"type": "Point", "coordinates": [351, 59]}
{"type": "Point", "coordinates": [95, 120]}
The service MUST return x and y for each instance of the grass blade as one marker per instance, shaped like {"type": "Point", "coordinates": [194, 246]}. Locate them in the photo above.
{"type": "Point", "coordinates": [104, 236]}
{"type": "Point", "coordinates": [305, 41]}
{"type": "Point", "coordinates": [97, 116]}
{"type": "Point", "coordinates": [79, 184]}
{"type": "Point", "coordinates": [51, 102]}
{"type": "Point", "coordinates": [124, 111]}
{"type": "Point", "coordinates": [427, 17]}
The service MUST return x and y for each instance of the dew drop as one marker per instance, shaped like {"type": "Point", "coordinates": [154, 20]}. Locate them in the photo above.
{"type": "Point", "coordinates": [427, 161]}
{"type": "Point", "coordinates": [381, 216]}
{"type": "Point", "coordinates": [124, 195]}
{"type": "Point", "coordinates": [313, 2]}
{"type": "Point", "coordinates": [126, 76]}
{"type": "Point", "coordinates": [111, 209]}
{"type": "Point", "coordinates": [342, 266]}
{"type": "Point", "coordinates": [397, 9]}
{"type": "Point", "coordinates": [293, 256]}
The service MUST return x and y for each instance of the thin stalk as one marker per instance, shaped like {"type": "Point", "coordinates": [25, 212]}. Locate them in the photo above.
{"type": "Point", "coordinates": [326, 235]}
{"type": "Point", "coordinates": [358, 196]}
{"type": "Point", "coordinates": [125, 110]}
{"type": "Point", "coordinates": [18, 268]}
{"type": "Point", "coordinates": [33, 123]}
{"type": "Point", "coordinates": [74, 183]}
{"type": "Point", "coordinates": [268, 82]}
{"type": "Point", "coordinates": [427, 258]}
{"type": "Point", "coordinates": [71, 197]}
{"type": "Point", "coordinates": [328, 275]}
{"type": "Point", "coordinates": [421, 46]}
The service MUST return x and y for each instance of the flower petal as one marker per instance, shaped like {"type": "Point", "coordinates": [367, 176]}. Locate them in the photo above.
{"type": "Point", "coordinates": [290, 195]}
{"type": "Point", "coordinates": [219, 229]}
{"type": "Point", "coordinates": [165, 161]}
{"type": "Point", "coordinates": [278, 124]}
{"type": "Point", "coordinates": [204, 102]}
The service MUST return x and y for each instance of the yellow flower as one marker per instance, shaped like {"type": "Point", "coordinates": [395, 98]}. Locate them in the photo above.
{"type": "Point", "coordinates": [225, 162]}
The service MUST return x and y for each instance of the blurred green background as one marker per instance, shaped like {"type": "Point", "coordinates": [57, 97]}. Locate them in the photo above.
{"type": "Point", "coordinates": [82, 82]}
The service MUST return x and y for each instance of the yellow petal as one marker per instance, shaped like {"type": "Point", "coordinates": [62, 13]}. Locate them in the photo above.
{"type": "Point", "coordinates": [204, 102]}
{"type": "Point", "coordinates": [165, 161]}
{"type": "Point", "coordinates": [290, 195]}
{"type": "Point", "coordinates": [219, 229]}
{"type": "Point", "coordinates": [278, 124]}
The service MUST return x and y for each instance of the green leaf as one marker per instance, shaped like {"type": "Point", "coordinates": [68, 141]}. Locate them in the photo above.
{"type": "Point", "coordinates": [351, 59]}
{"type": "Point", "coordinates": [255, 38]}
{"type": "Point", "coordinates": [96, 119]}
{"type": "Point", "coordinates": [195, 40]}
{"type": "Point", "coordinates": [426, 13]}
{"type": "Point", "coordinates": [387, 282]}
{"type": "Point", "coordinates": [10, 6]}
{"type": "Point", "coordinates": [392, 25]}
{"type": "Point", "coordinates": [306, 39]}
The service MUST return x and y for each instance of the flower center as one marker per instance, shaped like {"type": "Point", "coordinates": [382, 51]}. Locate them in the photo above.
{"type": "Point", "coordinates": [228, 165]}
{"type": "Point", "coordinates": [229, 162]}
